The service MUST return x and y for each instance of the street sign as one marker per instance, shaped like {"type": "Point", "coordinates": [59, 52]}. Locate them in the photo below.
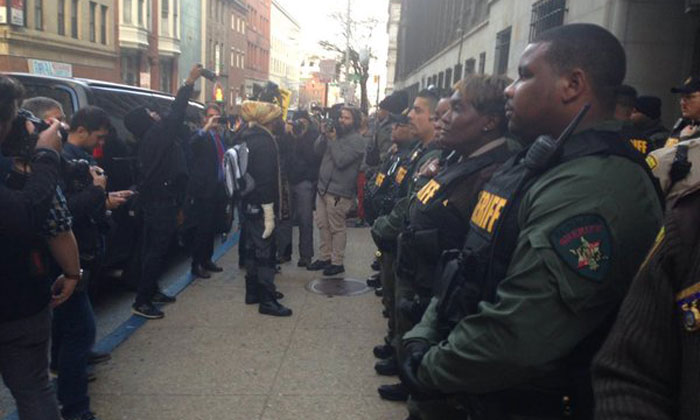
{"type": "Point", "coordinates": [50, 68]}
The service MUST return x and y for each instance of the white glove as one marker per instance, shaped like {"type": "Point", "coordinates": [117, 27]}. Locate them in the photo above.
{"type": "Point", "coordinates": [269, 220]}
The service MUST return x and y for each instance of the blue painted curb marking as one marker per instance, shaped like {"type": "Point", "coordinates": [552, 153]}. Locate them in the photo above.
{"type": "Point", "coordinates": [112, 340]}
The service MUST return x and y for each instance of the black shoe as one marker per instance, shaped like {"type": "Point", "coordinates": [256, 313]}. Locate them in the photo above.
{"type": "Point", "coordinates": [147, 310]}
{"type": "Point", "coordinates": [87, 415]}
{"type": "Point", "coordinates": [274, 308]}
{"type": "Point", "coordinates": [333, 269]}
{"type": "Point", "coordinates": [318, 265]}
{"type": "Point", "coordinates": [200, 272]}
{"type": "Point", "coordinates": [374, 281]}
{"type": "Point", "coordinates": [379, 291]}
{"type": "Point", "coordinates": [303, 263]}
{"type": "Point", "coordinates": [95, 358]}
{"type": "Point", "coordinates": [160, 297]}
{"type": "Point", "coordinates": [387, 367]}
{"type": "Point", "coordinates": [375, 265]}
{"type": "Point", "coordinates": [210, 266]}
{"type": "Point", "coordinates": [394, 392]}
{"type": "Point", "coordinates": [383, 351]}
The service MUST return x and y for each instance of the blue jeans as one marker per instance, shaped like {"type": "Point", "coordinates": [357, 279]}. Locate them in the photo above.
{"type": "Point", "coordinates": [73, 336]}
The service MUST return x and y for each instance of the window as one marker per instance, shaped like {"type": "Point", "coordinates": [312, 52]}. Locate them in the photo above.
{"type": "Point", "coordinates": [93, 11]}
{"type": "Point", "coordinates": [140, 12]}
{"type": "Point", "coordinates": [39, 15]}
{"type": "Point", "coordinates": [61, 17]}
{"type": "Point", "coordinates": [103, 25]}
{"type": "Point", "coordinates": [482, 63]}
{"type": "Point", "coordinates": [175, 7]}
{"type": "Point", "coordinates": [469, 66]}
{"type": "Point", "coordinates": [164, 14]}
{"type": "Point", "coordinates": [458, 73]}
{"type": "Point", "coordinates": [74, 19]}
{"type": "Point", "coordinates": [126, 13]}
{"type": "Point", "coordinates": [546, 14]}
{"type": "Point", "coordinates": [500, 63]}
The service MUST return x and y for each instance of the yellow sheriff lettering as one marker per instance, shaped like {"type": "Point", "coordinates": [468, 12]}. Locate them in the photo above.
{"type": "Point", "coordinates": [488, 210]}
{"type": "Point", "coordinates": [671, 141]}
{"type": "Point", "coordinates": [400, 175]}
{"type": "Point", "coordinates": [379, 180]}
{"type": "Point", "coordinates": [428, 191]}
{"type": "Point", "coordinates": [640, 145]}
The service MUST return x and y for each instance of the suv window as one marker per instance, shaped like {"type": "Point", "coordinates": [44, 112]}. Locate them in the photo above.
{"type": "Point", "coordinates": [59, 93]}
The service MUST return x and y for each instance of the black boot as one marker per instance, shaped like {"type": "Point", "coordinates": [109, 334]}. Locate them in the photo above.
{"type": "Point", "coordinates": [199, 272]}
{"type": "Point", "coordinates": [270, 306]}
{"type": "Point", "coordinates": [251, 291]}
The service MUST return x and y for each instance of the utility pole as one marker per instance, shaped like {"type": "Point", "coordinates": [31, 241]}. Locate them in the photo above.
{"type": "Point", "coordinates": [347, 53]}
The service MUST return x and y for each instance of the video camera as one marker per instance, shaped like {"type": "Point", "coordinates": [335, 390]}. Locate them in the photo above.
{"type": "Point", "coordinates": [19, 142]}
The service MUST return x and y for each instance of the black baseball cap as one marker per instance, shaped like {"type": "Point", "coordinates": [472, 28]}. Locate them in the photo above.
{"type": "Point", "coordinates": [691, 84]}
{"type": "Point", "coordinates": [399, 118]}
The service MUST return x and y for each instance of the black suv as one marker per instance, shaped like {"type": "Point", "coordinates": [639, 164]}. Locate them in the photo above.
{"type": "Point", "coordinates": [118, 156]}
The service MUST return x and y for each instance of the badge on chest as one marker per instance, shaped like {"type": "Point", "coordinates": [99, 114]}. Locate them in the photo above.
{"type": "Point", "coordinates": [379, 180]}
{"type": "Point", "coordinates": [688, 301]}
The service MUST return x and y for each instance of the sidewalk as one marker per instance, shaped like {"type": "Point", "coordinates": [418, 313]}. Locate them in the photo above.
{"type": "Point", "coordinates": [214, 357]}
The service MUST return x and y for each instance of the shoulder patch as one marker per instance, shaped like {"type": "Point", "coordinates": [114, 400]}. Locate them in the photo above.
{"type": "Point", "coordinates": [687, 301]}
{"type": "Point", "coordinates": [584, 243]}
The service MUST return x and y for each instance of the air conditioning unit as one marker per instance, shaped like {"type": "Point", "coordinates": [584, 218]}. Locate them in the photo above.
{"type": "Point", "coordinates": [692, 6]}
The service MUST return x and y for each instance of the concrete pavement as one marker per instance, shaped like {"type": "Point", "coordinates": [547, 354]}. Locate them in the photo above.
{"type": "Point", "coordinates": [214, 357]}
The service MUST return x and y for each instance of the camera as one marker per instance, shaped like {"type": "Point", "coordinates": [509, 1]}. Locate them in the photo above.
{"type": "Point", "coordinates": [208, 74]}
{"type": "Point", "coordinates": [19, 142]}
{"type": "Point", "coordinates": [76, 174]}
{"type": "Point", "coordinates": [299, 127]}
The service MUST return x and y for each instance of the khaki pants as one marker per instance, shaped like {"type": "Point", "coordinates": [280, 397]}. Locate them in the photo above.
{"type": "Point", "coordinates": [331, 212]}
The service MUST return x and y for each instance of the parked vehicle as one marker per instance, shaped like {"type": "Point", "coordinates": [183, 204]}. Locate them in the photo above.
{"type": "Point", "coordinates": [118, 155]}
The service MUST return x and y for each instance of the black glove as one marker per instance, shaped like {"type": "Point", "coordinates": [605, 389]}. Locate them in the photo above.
{"type": "Point", "coordinates": [408, 372]}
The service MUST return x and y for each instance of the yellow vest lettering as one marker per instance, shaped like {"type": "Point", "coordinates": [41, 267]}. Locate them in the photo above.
{"type": "Point", "coordinates": [488, 211]}
{"type": "Point", "coordinates": [380, 180]}
{"type": "Point", "coordinates": [400, 175]}
{"type": "Point", "coordinates": [640, 145]}
{"type": "Point", "coordinates": [428, 191]}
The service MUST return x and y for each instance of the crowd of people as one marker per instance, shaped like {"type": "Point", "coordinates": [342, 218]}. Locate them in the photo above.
{"type": "Point", "coordinates": [536, 238]}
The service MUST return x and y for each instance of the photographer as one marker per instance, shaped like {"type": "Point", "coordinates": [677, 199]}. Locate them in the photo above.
{"type": "Point", "coordinates": [27, 291]}
{"type": "Point", "coordinates": [342, 148]}
{"type": "Point", "coordinates": [85, 186]}
{"type": "Point", "coordinates": [163, 179]}
{"type": "Point", "coordinates": [303, 175]}
{"type": "Point", "coordinates": [206, 191]}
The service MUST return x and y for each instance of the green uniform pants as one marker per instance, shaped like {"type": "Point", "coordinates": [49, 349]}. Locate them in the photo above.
{"type": "Point", "coordinates": [386, 274]}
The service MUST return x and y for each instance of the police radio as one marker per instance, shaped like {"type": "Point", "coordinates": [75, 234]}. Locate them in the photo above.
{"type": "Point", "coordinates": [544, 150]}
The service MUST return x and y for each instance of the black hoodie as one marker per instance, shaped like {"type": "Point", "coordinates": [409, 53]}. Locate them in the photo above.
{"type": "Point", "coordinates": [161, 156]}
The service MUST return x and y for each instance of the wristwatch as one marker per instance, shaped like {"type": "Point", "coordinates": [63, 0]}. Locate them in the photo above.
{"type": "Point", "coordinates": [76, 277]}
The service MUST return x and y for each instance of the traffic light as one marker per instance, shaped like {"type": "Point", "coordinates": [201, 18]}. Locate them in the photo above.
{"type": "Point", "coordinates": [218, 93]}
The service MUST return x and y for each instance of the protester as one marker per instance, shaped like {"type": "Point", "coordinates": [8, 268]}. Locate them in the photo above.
{"type": "Point", "coordinates": [163, 179]}
{"type": "Point", "coordinates": [27, 291]}
{"type": "Point", "coordinates": [303, 175]}
{"type": "Point", "coordinates": [342, 148]}
{"type": "Point", "coordinates": [206, 192]}
{"type": "Point", "coordinates": [259, 206]}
